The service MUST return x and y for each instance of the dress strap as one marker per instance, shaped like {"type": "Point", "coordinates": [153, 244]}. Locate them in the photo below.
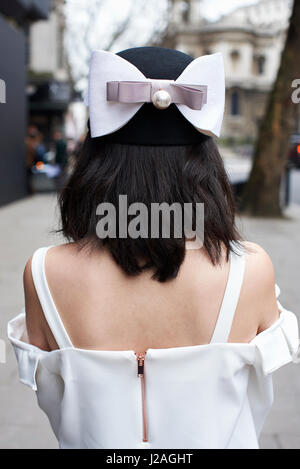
{"type": "Point", "coordinates": [231, 296]}
{"type": "Point", "coordinates": [48, 306]}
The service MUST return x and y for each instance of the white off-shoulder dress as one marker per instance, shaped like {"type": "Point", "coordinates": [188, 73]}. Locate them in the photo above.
{"type": "Point", "coordinates": [206, 396]}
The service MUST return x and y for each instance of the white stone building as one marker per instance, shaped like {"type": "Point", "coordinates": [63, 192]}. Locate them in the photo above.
{"type": "Point", "coordinates": [251, 39]}
{"type": "Point", "coordinates": [46, 45]}
{"type": "Point", "coordinates": [49, 85]}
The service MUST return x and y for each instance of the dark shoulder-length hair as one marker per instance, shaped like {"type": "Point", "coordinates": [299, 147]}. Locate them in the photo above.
{"type": "Point", "coordinates": [149, 174]}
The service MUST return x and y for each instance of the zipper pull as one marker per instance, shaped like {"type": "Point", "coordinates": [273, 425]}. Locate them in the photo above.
{"type": "Point", "coordinates": [141, 374]}
{"type": "Point", "coordinates": [140, 363]}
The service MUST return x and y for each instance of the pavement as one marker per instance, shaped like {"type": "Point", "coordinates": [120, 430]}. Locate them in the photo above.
{"type": "Point", "coordinates": [28, 224]}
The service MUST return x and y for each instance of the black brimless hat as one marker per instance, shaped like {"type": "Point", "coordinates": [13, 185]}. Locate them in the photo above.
{"type": "Point", "coordinates": [150, 125]}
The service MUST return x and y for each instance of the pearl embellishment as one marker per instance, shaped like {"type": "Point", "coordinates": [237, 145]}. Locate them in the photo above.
{"type": "Point", "coordinates": [161, 99]}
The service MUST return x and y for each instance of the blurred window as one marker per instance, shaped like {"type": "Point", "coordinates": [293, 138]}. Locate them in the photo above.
{"type": "Point", "coordinates": [235, 57]}
{"type": "Point", "coordinates": [60, 48]}
{"type": "Point", "coordinates": [259, 64]}
{"type": "Point", "coordinates": [186, 10]}
{"type": "Point", "coordinates": [261, 60]}
{"type": "Point", "coordinates": [235, 103]}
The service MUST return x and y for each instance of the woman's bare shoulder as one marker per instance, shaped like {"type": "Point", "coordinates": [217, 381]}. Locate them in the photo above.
{"type": "Point", "coordinates": [259, 260]}
{"type": "Point", "coordinates": [259, 284]}
{"type": "Point", "coordinates": [35, 320]}
{"type": "Point", "coordinates": [38, 330]}
{"type": "Point", "coordinates": [56, 256]}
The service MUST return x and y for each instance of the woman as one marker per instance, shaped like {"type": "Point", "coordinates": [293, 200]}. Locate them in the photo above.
{"type": "Point", "coordinates": [152, 341]}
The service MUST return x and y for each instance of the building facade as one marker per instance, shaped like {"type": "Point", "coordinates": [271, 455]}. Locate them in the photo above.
{"type": "Point", "coordinates": [49, 86]}
{"type": "Point", "coordinates": [251, 40]}
{"type": "Point", "coordinates": [15, 19]}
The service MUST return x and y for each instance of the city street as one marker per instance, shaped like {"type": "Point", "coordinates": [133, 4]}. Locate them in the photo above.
{"type": "Point", "coordinates": [27, 224]}
{"type": "Point", "coordinates": [185, 70]}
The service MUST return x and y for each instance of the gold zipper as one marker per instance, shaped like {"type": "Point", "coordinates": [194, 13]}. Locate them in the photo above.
{"type": "Point", "coordinates": [141, 374]}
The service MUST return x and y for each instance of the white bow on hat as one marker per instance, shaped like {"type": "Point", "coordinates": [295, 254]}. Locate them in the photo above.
{"type": "Point", "coordinates": [117, 90]}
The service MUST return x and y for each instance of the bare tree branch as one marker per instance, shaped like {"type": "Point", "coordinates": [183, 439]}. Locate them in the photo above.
{"type": "Point", "coordinates": [87, 36]}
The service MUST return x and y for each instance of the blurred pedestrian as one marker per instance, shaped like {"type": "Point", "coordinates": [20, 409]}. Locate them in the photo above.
{"type": "Point", "coordinates": [32, 142]}
{"type": "Point", "coordinates": [61, 156]}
